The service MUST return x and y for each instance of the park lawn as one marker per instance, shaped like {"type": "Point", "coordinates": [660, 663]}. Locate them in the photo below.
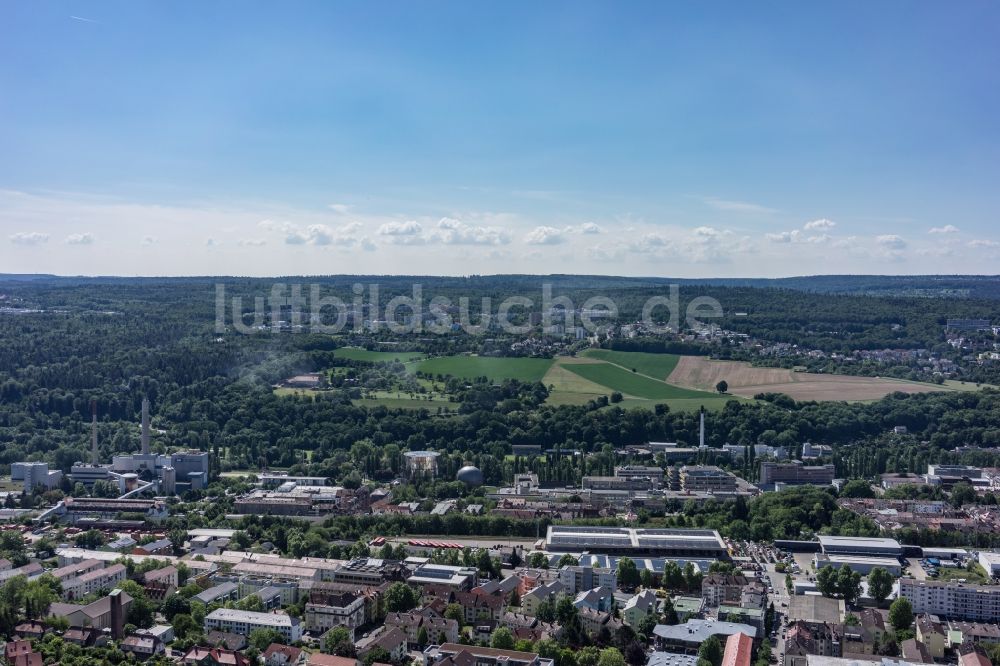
{"type": "Point", "coordinates": [491, 367]}
{"type": "Point", "coordinates": [657, 366]}
{"type": "Point", "coordinates": [357, 354]}
{"type": "Point", "coordinates": [619, 379]}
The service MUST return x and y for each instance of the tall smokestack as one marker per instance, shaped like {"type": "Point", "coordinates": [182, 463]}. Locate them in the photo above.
{"type": "Point", "coordinates": [145, 426]}
{"type": "Point", "coordinates": [93, 433]}
{"type": "Point", "coordinates": [701, 431]}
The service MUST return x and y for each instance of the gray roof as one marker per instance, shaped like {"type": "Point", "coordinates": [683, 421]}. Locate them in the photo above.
{"type": "Point", "coordinates": [698, 631]}
{"type": "Point", "coordinates": [671, 659]}
{"type": "Point", "coordinates": [213, 593]}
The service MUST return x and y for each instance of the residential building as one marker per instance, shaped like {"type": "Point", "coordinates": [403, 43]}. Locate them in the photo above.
{"type": "Point", "coordinates": [213, 656]}
{"type": "Point", "coordinates": [932, 635]}
{"type": "Point", "coordinates": [531, 599]}
{"type": "Point", "coordinates": [93, 581]}
{"type": "Point", "coordinates": [718, 589]}
{"type": "Point", "coordinates": [598, 599]}
{"type": "Point", "coordinates": [143, 646]}
{"type": "Point", "coordinates": [220, 593]}
{"type": "Point", "coordinates": [643, 604]}
{"type": "Point", "coordinates": [243, 622]}
{"type": "Point", "coordinates": [337, 610]}
{"type": "Point", "coordinates": [412, 623]}
{"type": "Point", "coordinates": [277, 654]}
{"type": "Point", "coordinates": [390, 639]}
{"type": "Point", "coordinates": [952, 600]}
{"type": "Point", "coordinates": [803, 639]}
{"type": "Point", "coordinates": [578, 578]}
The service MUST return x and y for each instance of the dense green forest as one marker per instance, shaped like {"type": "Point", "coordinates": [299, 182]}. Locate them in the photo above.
{"type": "Point", "coordinates": [64, 342]}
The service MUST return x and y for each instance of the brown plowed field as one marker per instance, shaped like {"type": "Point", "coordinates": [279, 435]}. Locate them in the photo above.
{"type": "Point", "coordinates": [698, 372]}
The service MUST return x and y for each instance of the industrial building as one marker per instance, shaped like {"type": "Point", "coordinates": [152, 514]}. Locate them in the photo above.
{"type": "Point", "coordinates": [690, 543]}
{"type": "Point", "coordinates": [34, 475]}
{"type": "Point", "coordinates": [144, 471]}
{"type": "Point", "coordinates": [863, 564]}
{"type": "Point", "coordinates": [875, 547]}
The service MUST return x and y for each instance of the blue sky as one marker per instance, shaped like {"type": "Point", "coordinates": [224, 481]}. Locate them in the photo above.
{"type": "Point", "coordinates": [685, 139]}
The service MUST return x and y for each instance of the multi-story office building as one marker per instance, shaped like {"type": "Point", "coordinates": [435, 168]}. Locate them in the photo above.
{"type": "Point", "coordinates": [952, 600]}
{"type": "Point", "coordinates": [795, 474]}
{"type": "Point", "coordinates": [651, 472]}
{"type": "Point", "coordinates": [706, 478]}
{"type": "Point", "coordinates": [243, 622]}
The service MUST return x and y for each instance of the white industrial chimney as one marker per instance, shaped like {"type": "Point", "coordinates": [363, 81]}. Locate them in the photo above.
{"type": "Point", "coordinates": [93, 433]}
{"type": "Point", "coordinates": [145, 427]}
{"type": "Point", "coordinates": [701, 431]}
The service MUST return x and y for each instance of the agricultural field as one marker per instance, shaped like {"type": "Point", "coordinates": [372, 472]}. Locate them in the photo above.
{"type": "Point", "coordinates": [617, 378]}
{"type": "Point", "coordinates": [576, 381]}
{"type": "Point", "coordinates": [356, 354]}
{"type": "Point", "coordinates": [491, 367]}
{"type": "Point", "coordinates": [698, 372]}
{"type": "Point", "coordinates": [658, 366]}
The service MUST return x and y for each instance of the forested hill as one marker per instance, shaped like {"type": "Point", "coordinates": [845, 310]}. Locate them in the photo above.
{"type": "Point", "coordinates": [960, 286]}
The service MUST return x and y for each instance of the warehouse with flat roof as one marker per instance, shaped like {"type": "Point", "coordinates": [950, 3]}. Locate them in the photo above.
{"type": "Point", "coordinates": [690, 543]}
{"type": "Point", "coordinates": [863, 564]}
{"type": "Point", "coordinates": [878, 547]}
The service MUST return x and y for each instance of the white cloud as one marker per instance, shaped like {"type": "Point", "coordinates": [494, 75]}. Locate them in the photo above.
{"type": "Point", "coordinates": [148, 240]}
{"type": "Point", "coordinates": [409, 232]}
{"type": "Point", "coordinates": [343, 209]}
{"type": "Point", "coordinates": [984, 243]}
{"type": "Point", "coordinates": [251, 242]}
{"type": "Point", "coordinates": [314, 234]}
{"type": "Point", "coordinates": [783, 236]}
{"type": "Point", "coordinates": [80, 239]}
{"type": "Point", "coordinates": [822, 223]}
{"type": "Point", "coordinates": [544, 236]}
{"type": "Point", "coordinates": [737, 206]}
{"type": "Point", "coordinates": [29, 238]}
{"type": "Point", "coordinates": [946, 229]}
{"type": "Point", "coordinates": [891, 241]}
{"type": "Point", "coordinates": [590, 228]}
{"type": "Point", "coordinates": [408, 228]}
{"type": "Point", "coordinates": [212, 242]}
{"type": "Point", "coordinates": [455, 232]}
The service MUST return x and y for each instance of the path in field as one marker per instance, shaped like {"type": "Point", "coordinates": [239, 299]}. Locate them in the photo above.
{"type": "Point", "coordinates": [699, 372]}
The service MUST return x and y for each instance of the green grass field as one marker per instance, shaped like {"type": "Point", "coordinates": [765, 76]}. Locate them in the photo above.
{"type": "Point", "coordinates": [356, 354]}
{"type": "Point", "coordinates": [619, 379]}
{"type": "Point", "coordinates": [657, 366]}
{"type": "Point", "coordinates": [495, 369]}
